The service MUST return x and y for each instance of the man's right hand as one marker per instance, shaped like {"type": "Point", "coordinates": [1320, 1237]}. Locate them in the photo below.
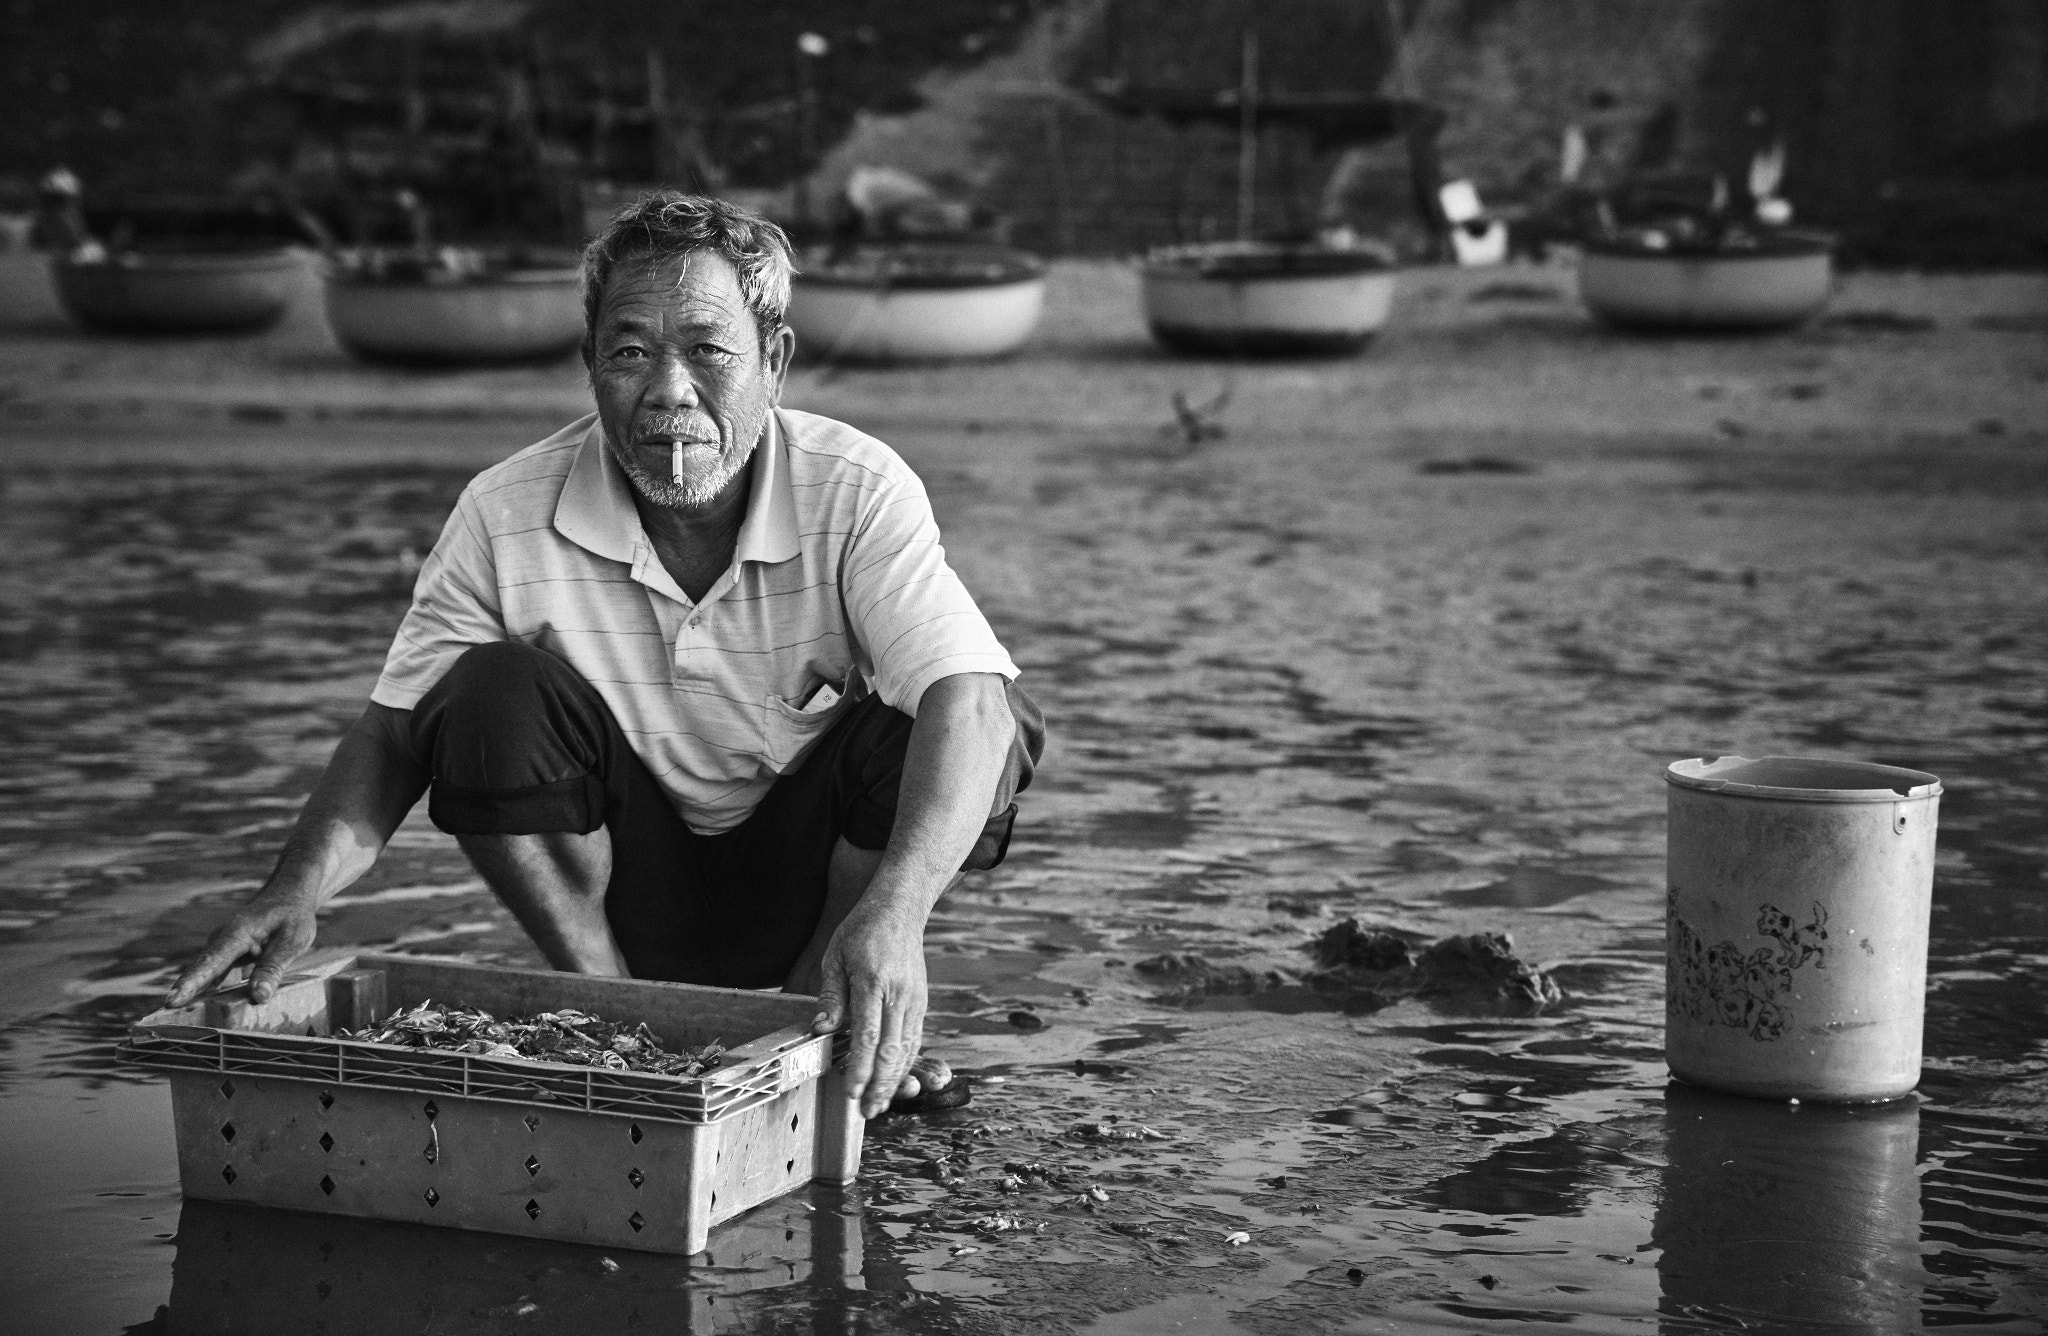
{"type": "Point", "coordinates": [275, 928]}
{"type": "Point", "coordinates": [366, 791]}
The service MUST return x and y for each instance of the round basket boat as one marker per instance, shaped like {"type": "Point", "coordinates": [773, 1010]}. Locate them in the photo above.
{"type": "Point", "coordinates": [485, 307]}
{"type": "Point", "coordinates": [181, 287]}
{"type": "Point", "coordinates": [918, 303]}
{"type": "Point", "coordinates": [1266, 299]}
{"type": "Point", "coordinates": [1781, 281]}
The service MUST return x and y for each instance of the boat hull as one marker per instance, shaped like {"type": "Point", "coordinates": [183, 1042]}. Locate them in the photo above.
{"type": "Point", "coordinates": [1730, 292]}
{"type": "Point", "coordinates": [178, 292]}
{"type": "Point", "coordinates": [845, 321]}
{"type": "Point", "coordinates": [517, 317]}
{"type": "Point", "coordinates": [1238, 308]}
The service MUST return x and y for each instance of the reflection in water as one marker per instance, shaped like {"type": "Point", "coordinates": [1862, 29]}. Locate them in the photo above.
{"type": "Point", "coordinates": [1777, 1214]}
{"type": "Point", "coordinates": [1550, 1175]}
{"type": "Point", "coordinates": [251, 1269]}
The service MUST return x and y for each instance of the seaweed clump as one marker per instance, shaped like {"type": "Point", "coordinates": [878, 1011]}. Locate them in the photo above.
{"type": "Point", "coordinates": [551, 1036]}
{"type": "Point", "coordinates": [1190, 975]}
{"type": "Point", "coordinates": [1479, 965]}
{"type": "Point", "coordinates": [1364, 969]}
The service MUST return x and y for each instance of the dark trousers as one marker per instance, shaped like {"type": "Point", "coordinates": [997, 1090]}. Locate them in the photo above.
{"type": "Point", "coordinates": [519, 744]}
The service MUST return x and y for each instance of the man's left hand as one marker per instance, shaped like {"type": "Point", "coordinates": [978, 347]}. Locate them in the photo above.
{"type": "Point", "coordinates": [874, 987]}
{"type": "Point", "coordinates": [873, 982]}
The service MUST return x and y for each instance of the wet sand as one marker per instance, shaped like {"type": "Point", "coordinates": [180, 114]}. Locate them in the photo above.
{"type": "Point", "coordinates": [1411, 642]}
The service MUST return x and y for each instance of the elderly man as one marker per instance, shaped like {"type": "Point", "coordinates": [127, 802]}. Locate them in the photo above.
{"type": "Point", "coordinates": [690, 680]}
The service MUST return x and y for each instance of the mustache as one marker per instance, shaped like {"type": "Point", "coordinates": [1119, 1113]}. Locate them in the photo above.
{"type": "Point", "coordinates": [683, 426]}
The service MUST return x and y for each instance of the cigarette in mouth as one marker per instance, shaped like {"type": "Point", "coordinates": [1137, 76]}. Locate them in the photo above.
{"type": "Point", "coordinates": [675, 461]}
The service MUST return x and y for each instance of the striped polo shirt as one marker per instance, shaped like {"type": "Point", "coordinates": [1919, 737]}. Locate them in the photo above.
{"type": "Point", "coordinates": [838, 587]}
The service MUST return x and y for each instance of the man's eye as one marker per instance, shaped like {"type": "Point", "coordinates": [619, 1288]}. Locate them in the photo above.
{"type": "Point", "coordinates": [628, 352]}
{"type": "Point", "coordinates": [711, 352]}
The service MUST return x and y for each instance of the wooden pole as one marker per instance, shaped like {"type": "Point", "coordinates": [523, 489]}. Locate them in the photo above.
{"type": "Point", "coordinates": [1247, 134]}
{"type": "Point", "coordinates": [1056, 159]}
{"type": "Point", "coordinates": [601, 118]}
{"type": "Point", "coordinates": [1055, 145]}
{"type": "Point", "coordinates": [658, 124]}
{"type": "Point", "coordinates": [806, 135]}
{"type": "Point", "coordinates": [1178, 180]}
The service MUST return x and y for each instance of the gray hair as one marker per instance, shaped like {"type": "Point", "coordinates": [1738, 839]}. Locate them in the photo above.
{"type": "Point", "coordinates": [667, 225]}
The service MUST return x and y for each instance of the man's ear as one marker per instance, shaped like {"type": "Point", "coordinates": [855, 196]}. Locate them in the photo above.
{"type": "Point", "coordinates": [781, 348]}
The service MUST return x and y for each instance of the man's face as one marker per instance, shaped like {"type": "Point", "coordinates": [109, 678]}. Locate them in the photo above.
{"type": "Point", "coordinates": [677, 358]}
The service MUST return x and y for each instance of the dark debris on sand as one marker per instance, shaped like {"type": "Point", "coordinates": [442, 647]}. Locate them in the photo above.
{"type": "Point", "coordinates": [1366, 968]}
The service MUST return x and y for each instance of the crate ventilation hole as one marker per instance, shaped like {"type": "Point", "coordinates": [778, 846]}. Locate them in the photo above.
{"type": "Point", "coordinates": [327, 1185]}
{"type": "Point", "coordinates": [433, 1197]}
{"type": "Point", "coordinates": [227, 1131]}
{"type": "Point", "coordinates": [793, 1118]}
{"type": "Point", "coordinates": [532, 1121]}
{"type": "Point", "coordinates": [327, 1099]}
{"type": "Point", "coordinates": [327, 1141]}
{"type": "Point", "coordinates": [636, 1221]}
{"type": "Point", "coordinates": [227, 1173]}
{"type": "Point", "coordinates": [227, 1089]}
{"type": "Point", "coordinates": [433, 1151]}
{"type": "Point", "coordinates": [532, 1209]}
{"type": "Point", "coordinates": [635, 1177]}
{"type": "Point", "coordinates": [532, 1166]}
{"type": "Point", "coordinates": [636, 1133]}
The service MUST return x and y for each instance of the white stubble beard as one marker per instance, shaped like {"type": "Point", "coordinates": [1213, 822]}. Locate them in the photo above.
{"type": "Point", "coordinates": [699, 494]}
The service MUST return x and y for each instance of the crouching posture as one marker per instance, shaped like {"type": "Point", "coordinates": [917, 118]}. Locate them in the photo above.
{"type": "Point", "coordinates": [690, 680]}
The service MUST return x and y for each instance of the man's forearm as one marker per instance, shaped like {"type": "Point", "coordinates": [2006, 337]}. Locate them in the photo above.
{"type": "Point", "coordinates": [368, 787]}
{"type": "Point", "coordinates": [365, 792]}
{"type": "Point", "coordinates": [873, 970]}
{"type": "Point", "coordinates": [956, 753]}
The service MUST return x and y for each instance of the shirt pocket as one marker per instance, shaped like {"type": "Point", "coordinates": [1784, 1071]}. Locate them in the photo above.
{"type": "Point", "coordinates": [790, 729]}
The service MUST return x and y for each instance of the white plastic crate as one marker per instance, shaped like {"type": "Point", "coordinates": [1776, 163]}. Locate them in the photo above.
{"type": "Point", "coordinates": [273, 1110]}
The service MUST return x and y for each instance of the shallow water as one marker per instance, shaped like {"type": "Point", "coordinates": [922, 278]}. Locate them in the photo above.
{"type": "Point", "coordinates": [1289, 680]}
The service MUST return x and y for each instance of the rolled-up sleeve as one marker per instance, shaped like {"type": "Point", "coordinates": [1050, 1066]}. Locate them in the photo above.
{"type": "Point", "coordinates": [908, 610]}
{"type": "Point", "coordinates": [454, 606]}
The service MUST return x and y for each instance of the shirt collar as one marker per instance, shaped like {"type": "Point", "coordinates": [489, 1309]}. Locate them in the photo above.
{"type": "Point", "coordinates": [596, 508]}
{"type": "Point", "coordinates": [768, 533]}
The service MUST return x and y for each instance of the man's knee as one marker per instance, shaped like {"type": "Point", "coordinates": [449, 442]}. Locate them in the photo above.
{"type": "Point", "coordinates": [496, 675]}
{"type": "Point", "coordinates": [1026, 746]}
{"type": "Point", "coordinates": [502, 693]}
{"type": "Point", "coordinates": [882, 744]}
{"type": "Point", "coordinates": [512, 727]}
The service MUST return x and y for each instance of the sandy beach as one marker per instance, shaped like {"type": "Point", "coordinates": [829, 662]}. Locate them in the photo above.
{"type": "Point", "coordinates": [1506, 348]}
{"type": "Point", "coordinates": [1409, 642]}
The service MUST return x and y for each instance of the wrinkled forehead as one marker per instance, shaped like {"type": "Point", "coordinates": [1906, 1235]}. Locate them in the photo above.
{"type": "Point", "coordinates": [698, 288]}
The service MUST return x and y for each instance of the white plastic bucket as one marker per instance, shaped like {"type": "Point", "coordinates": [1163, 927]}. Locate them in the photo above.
{"type": "Point", "coordinates": [1797, 896]}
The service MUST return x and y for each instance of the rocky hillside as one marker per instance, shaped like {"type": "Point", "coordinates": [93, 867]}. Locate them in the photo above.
{"type": "Point", "coordinates": [1917, 128]}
